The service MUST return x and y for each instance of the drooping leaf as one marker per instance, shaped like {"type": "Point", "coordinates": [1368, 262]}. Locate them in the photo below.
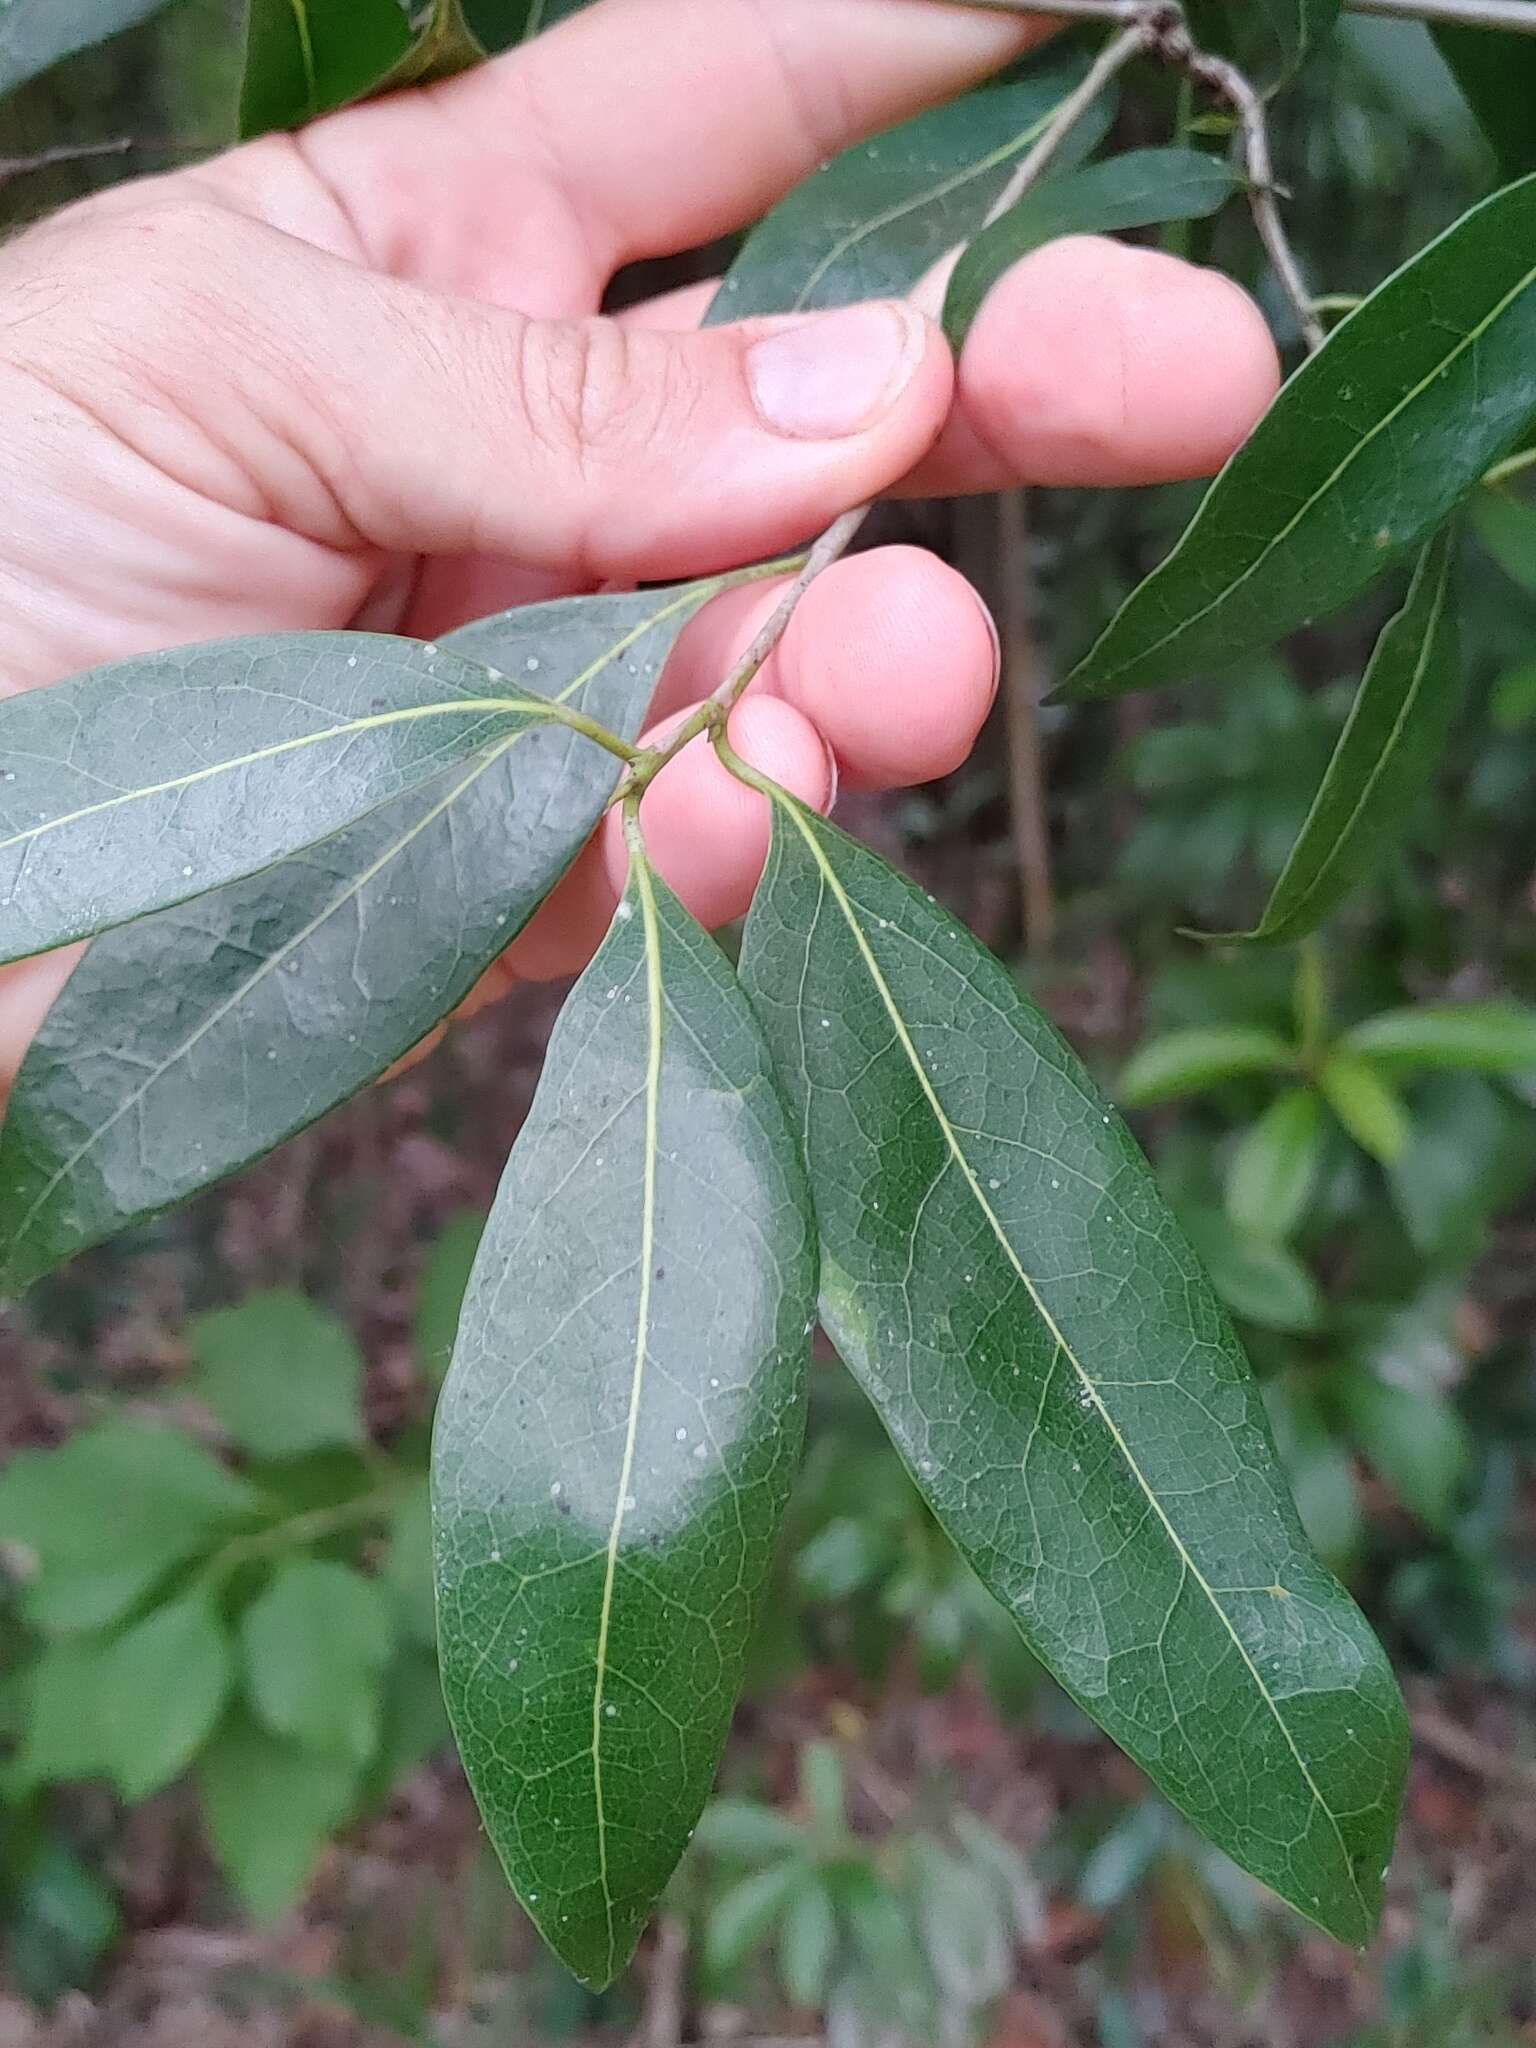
{"type": "Point", "coordinates": [1270, 39]}
{"type": "Point", "coordinates": [1497, 75]}
{"type": "Point", "coordinates": [282, 1375]}
{"type": "Point", "coordinates": [1480, 1038]}
{"type": "Point", "coordinates": [109, 1514]}
{"type": "Point", "coordinates": [270, 1808]}
{"type": "Point", "coordinates": [878, 217]}
{"type": "Point", "coordinates": [1141, 189]}
{"type": "Point", "coordinates": [1000, 1272]}
{"type": "Point", "coordinates": [1367, 449]}
{"type": "Point", "coordinates": [146, 783]}
{"type": "Point", "coordinates": [1202, 1056]}
{"type": "Point", "coordinates": [160, 1688]}
{"type": "Point", "coordinates": [1275, 1166]}
{"type": "Point", "coordinates": [191, 1043]}
{"type": "Point", "coordinates": [619, 1429]}
{"type": "Point", "coordinates": [1366, 1104]}
{"type": "Point", "coordinates": [305, 57]}
{"type": "Point", "coordinates": [35, 34]}
{"type": "Point", "coordinates": [1387, 754]}
{"type": "Point", "coordinates": [315, 1644]}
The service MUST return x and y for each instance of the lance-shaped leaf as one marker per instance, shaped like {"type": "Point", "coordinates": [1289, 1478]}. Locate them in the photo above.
{"type": "Point", "coordinates": [35, 34]}
{"type": "Point", "coordinates": [619, 1430]}
{"type": "Point", "coordinates": [1141, 189]}
{"type": "Point", "coordinates": [1363, 455]}
{"type": "Point", "coordinates": [190, 1043]}
{"type": "Point", "coordinates": [1497, 76]}
{"type": "Point", "coordinates": [1385, 759]}
{"type": "Point", "coordinates": [878, 217]}
{"type": "Point", "coordinates": [143, 784]}
{"type": "Point", "coordinates": [304, 57]}
{"type": "Point", "coordinates": [1271, 39]}
{"type": "Point", "coordinates": [1001, 1273]}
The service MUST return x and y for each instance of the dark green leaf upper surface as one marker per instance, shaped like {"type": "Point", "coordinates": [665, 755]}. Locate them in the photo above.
{"type": "Point", "coordinates": [37, 33]}
{"type": "Point", "coordinates": [1386, 756]}
{"type": "Point", "coordinates": [1497, 74]}
{"type": "Point", "coordinates": [143, 784]}
{"type": "Point", "coordinates": [871, 223]}
{"type": "Point", "coordinates": [304, 57]}
{"type": "Point", "coordinates": [192, 1042]}
{"type": "Point", "coordinates": [619, 1431]}
{"type": "Point", "coordinates": [999, 1270]}
{"type": "Point", "coordinates": [1140, 189]}
{"type": "Point", "coordinates": [1368, 448]}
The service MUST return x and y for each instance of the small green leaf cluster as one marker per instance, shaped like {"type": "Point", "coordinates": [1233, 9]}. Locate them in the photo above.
{"type": "Point", "coordinates": [255, 1611]}
{"type": "Point", "coordinates": [1399, 1135]}
{"type": "Point", "coordinates": [909, 1939]}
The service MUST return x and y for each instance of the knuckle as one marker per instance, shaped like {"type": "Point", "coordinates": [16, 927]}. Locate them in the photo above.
{"type": "Point", "coordinates": [596, 393]}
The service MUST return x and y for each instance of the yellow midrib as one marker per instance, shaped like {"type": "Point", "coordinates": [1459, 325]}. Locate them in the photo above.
{"type": "Point", "coordinates": [1012, 148]}
{"type": "Point", "coordinates": [646, 892]}
{"type": "Point", "coordinates": [461, 707]}
{"type": "Point", "coordinates": [898, 1024]}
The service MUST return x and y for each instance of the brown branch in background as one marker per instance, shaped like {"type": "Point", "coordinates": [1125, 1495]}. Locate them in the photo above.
{"type": "Point", "coordinates": [662, 2025]}
{"type": "Point", "coordinates": [1024, 689]}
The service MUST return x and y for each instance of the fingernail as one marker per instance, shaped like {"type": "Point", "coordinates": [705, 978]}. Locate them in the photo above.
{"type": "Point", "coordinates": [836, 374]}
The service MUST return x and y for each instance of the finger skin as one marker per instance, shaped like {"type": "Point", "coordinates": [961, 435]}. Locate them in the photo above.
{"type": "Point", "coordinates": [1092, 364]}
{"type": "Point", "coordinates": [585, 147]}
{"type": "Point", "coordinates": [891, 656]}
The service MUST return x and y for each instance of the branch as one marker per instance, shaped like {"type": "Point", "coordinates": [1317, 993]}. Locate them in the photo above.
{"type": "Point", "coordinates": [839, 537]}
{"type": "Point", "coordinates": [1519, 15]}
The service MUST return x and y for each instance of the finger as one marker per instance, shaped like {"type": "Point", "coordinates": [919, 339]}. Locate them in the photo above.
{"type": "Point", "coordinates": [1091, 363]}
{"type": "Point", "coordinates": [1096, 364]}
{"type": "Point", "coordinates": [891, 656]}
{"type": "Point", "coordinates": [705, 832]}
{"type": "Point", "coordinates": [638, 127]}
{"type": "Point", "coordinates": [362, 413]}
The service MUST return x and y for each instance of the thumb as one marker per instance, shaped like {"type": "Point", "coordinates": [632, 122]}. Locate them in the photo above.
{"type": "Point", "coordinates": [364, 411]}
{"type": "Point", "coordinates": [605, 451]}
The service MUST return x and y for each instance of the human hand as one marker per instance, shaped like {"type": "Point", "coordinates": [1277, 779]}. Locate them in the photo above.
{"type": "Point", "coordinates": [356, 376]}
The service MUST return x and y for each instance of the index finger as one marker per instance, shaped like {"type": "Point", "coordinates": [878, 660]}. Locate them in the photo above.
{"type": "Point", "coordinates": [644, 126]}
